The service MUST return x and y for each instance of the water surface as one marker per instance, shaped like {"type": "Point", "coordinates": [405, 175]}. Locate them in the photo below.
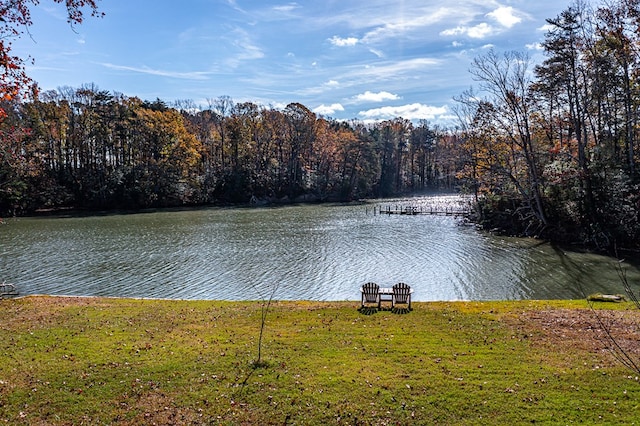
{"type": "Point", "coordinates": [309, 252]}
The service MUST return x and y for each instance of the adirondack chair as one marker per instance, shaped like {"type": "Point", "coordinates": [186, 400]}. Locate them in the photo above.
{"type": "Point", "coordinates": [370, 293]}
{"type": "Point", "coordinates": [401, 294]}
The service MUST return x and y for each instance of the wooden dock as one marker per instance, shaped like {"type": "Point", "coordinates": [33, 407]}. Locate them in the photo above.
{"type": "Point", "coordinates": [420, 210]}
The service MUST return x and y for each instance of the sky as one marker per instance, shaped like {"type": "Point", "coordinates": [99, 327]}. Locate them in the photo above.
{"type": "Point", "coordinates": [348, 59]}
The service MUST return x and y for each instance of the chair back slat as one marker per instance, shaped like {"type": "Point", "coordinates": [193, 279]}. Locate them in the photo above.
{"type": "Point", "coordinates": [370, 292]}
{"type": "Point", "coordinates": [401, 292]}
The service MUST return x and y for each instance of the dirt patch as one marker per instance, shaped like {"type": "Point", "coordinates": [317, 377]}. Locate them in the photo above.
{"type": "Point", "coordinates": [157, 408]}
{"type": "Point", "coordinates": [594, 331]}
{"type": "Point", "coordinates": [40, 311]}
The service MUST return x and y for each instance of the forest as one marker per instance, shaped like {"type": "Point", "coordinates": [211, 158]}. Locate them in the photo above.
{"type": "Point", "coordinates": [88, 148]}
{"type": "Point", "coordinates": [547, 149]}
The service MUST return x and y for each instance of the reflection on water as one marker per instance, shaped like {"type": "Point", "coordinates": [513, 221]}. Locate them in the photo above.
{"type": "Point", "coordinates": [319, 252]}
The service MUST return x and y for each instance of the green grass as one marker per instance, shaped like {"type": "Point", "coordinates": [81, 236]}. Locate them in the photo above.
{"type": "Point", "coordinates": [122, 361]}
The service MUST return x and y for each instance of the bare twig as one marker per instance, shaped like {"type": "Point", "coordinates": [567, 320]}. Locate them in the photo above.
{"type": "Point", "coordinates": [264, 311]}
{"type": "Point", "coordinates": [622, 274]}
{"type": "Point", "coordinates": [263, 320]}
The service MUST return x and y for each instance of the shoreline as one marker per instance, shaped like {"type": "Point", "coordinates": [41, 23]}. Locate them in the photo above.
{"type": "Point", "coordinates": [317, 302]}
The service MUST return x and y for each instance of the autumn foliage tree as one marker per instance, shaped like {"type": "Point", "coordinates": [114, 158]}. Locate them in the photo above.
{"type": "Point", "coordinates": [15, 20]}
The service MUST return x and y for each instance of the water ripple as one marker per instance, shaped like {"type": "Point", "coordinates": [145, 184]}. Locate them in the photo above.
{"type": "Point", "coordinates": [305, 252]}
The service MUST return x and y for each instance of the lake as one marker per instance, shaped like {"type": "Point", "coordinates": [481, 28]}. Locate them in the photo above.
{"type": "Point", "coordinates": [302, 252]}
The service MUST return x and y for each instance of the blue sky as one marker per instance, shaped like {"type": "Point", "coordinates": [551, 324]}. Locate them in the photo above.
{"type": "Point", "coordinates": [346, 59]}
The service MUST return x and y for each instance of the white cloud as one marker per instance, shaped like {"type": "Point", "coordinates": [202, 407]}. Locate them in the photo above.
{"type": "Point", "coordinates": [390, 70]}
{"type": "Point", "coordinates": [378, 53]}
{"type": "Point", "coordinates": [343, 42]}
{"type": "Point", "coordinates": [234, 5]}
{"type": "Point", "coordinates": [330, 85]}
{"type": "Point", "coordinates": [481, 30]}
{"type": "Point", "coordinates": [194, 75]}
{"type": "Point", "coordinates": [392, 27]}
{"type": "Point", "coordinates": [55, 12]}
{"type": "Point", "coordinates": [328, 109]}
{"type": "Point", "coordinates": [280, 106]}
{"type": "Point", "coordinates": [272, 13]}
{"type": "Point", "coordinates": [380, 73]}
{"type": "Point", "coordinates": [546, 27]}
{"type": "Point", "coordinates": [505, 16]}
{"type": "Point", "coordinates": [287, 8]}
{"type": "Point", "coordinates": [246, 50]}
{"type": "Point", "coordinates": [375, 97]}
{"type": "Point", "coordinates": [534, 46]}
{"type": "Point", "coordinates": [415, 111]}
{"type": "Point", "coordinates": [322, 88]}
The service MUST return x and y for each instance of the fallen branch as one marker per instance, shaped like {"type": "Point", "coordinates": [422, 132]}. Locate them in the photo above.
{"type": "Point", "coordinates": [599, 297]}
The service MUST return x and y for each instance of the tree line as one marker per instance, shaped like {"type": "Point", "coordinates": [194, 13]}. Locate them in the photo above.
{"type": "Point", "coordinates": [89, 148]}
{"type": "Point", "coordinates": [549, 150]}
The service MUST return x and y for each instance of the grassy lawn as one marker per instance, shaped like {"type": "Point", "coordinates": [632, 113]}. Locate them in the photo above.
{"type": "Point", "coordinates": [137, 362]}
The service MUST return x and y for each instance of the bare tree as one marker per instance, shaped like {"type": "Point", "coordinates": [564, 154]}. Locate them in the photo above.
{"type": "Point", "coordinates": [505, 79]}
{"type": "Point", "coordinates": [222, 106]}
